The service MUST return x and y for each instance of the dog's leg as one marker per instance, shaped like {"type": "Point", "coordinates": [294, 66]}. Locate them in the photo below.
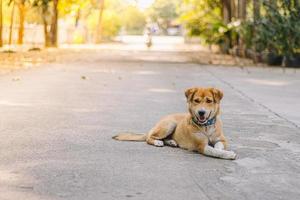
{"type": "Point", "coordinates": [210, 151]}
{"type": "Point", "coordinates": [160, 132]}
{"type": "Point", "coordinates": [219, 145]}
{"type": "Point", "coordinates": [154, 139]}
{"type": "Point", "coordinates": [155, 142]}
{"type": "Point", "coordinates": [217, 153]}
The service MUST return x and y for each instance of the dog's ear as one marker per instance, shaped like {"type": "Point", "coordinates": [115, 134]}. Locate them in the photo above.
{"type": "Point", "coordinates": [189, 93]}
{"type": "Point", "coordinates": [218, 94]}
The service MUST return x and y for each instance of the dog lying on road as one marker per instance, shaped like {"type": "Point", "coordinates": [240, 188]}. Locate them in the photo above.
{"type": "Point", "coordinates": [199, 130]}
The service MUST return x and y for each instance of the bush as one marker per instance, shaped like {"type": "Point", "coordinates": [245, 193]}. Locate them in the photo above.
{"type": "Point", "coordinates": [111, 24]}
{"type": "Point", "coordinates": [203, 19]}
{"type": "Point", "coordinates": [279, 29]}
{"type": "Point", "coordinates": [133, 20]}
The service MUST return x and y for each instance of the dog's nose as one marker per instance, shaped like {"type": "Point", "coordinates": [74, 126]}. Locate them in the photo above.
{"type": "Point", "coordinates": [201, 112]}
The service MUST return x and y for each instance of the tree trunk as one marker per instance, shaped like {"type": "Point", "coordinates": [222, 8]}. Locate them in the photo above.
{"type": "Point", "coordinates": [22, 19]}
{"type": "Point", "coordinates": [242, 5]}
{"type": "Point", "coordinates": [256, 11]}
{"type": "Point", "coordinates": [11, 23]}
{"type": "Point", "coordinates": [45, 24]}
{"type": "Point", "coordinates": [77, 18]}
{"type": "Point", "coordinates": [46, 35]}
{"type": "Point", "coordinates": [53, 26]}
{"type": "Point", "coordinates": [234, 17]}
{"type": "Point", "coordinates": [99, 26]}
{"type": "Point", "coordinates": [234, 12]}
{"type": "Point", "coordinates": [1, 41]}
{"type": "Point", "coordinates": [226, 15]}
{"type": "Point", "coordinates": [226, 11]}
{"type": "Point", "coordinates": [256, 16]}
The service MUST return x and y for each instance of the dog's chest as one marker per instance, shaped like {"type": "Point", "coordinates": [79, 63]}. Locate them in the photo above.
{"type": "Point", "coordinates": [207, 133]}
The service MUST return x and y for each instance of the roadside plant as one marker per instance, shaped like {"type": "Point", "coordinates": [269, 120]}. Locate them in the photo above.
{"type": "Point", "coordinates": [281, 26]}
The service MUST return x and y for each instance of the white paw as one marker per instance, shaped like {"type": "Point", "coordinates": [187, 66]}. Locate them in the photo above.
{"type": "Point", "coordinates": [219, 145]}
{"type": "Point", "coordinates": [229, 155]}
{"type": "Point", "coordinates": [171, 143]}
{"type": "Point", "coordinates": [158, 143]}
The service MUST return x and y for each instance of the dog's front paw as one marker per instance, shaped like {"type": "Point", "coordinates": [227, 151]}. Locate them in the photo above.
{"type": "Point", "coordinates": [158, 143]}
{"type": "Point", "coordinates": [230, 155]}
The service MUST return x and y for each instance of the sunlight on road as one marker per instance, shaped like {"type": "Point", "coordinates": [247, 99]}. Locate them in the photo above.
{"type": "Point", "coordinates": [145, 72]}
{"type": "Point", "coordinates": [137, 43]}
{"type": "Point", "coordinates": [8, 103]}
{"type": "Point", "coordinates": [268, 82]}
{"type": "Point", "coordinates": [161, 90]}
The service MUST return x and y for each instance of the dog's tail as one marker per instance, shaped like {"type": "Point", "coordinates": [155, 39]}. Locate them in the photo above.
{"type": "Point", "coordinates": [130, 137]}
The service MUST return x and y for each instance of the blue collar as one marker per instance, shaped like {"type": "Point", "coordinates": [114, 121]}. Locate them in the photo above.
{"type": "Point", "coordinates": [209, 122]}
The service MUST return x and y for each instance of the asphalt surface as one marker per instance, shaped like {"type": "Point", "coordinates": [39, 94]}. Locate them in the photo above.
{"type": "Point", "coordinates": [57, 121]}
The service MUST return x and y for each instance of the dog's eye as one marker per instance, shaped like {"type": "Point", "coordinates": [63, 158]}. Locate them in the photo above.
{"type": "Point", "coordinates": [208, 101]}
{"type": "Point", "coordinates": [197, 101]}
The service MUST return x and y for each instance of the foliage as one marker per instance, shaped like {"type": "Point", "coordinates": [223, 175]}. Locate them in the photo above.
{"type": "Point", "coordinates": [203, 18]}
{"type": "Point", "coordinates": [246, 32]}
{"type": "Point", "coordinates": [277, 31]}
{"type": "Point", "coordinates": [279, 28]}
{"type": "Point", "coordinates": [133, 20]}
{"type": "Point", "coordinates": [111, 22]}
{"type": "Point", "coordinates": [44, 7]}
{"type": "Point", "coordinates": [163, 12]}
{"type": "Point", "coordinates": [66, 7]}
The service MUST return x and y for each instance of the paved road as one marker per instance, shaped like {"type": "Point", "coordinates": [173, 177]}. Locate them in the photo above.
{"type": "Point", "coordinates": [57, 121]}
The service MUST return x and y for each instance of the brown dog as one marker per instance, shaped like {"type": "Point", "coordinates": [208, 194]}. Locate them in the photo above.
{"type": "Point", "coordinates": [199, 130]}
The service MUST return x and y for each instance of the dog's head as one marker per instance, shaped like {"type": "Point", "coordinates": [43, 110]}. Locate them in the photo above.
{"type": "Point", "coordinates": [203, 103]}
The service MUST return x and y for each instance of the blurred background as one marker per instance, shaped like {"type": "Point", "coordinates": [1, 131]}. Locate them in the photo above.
{"type": "Point", "coordinates": [262, 30]}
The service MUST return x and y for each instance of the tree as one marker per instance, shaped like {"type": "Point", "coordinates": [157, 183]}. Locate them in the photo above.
{"type": "Point", "coordinates": [11, 21]}
{"type": "Point", "coordinates": [203, 19]}
{"type": "Point", "coordinates": [53, 26]}
{"type": "Point", "coordinates": [256, 10]}
{"type": "Point", "coordinates": [22, 11]}
{"type": "Point", "coordinates": [226, 15]}
{"type": "Point", "coordinates": [134, 20]}
{"type": "Point", "coordinates": [1, 24]}
{"type": "Point", "coordinates": [256, 18]}
{"type": "Point", "coordinates": [242, 5]}
{"type": "Point", "coordinates": [21, 7]}
{"type": "Point", "coordinates": [163, 12]}
{"type": "Point", "coordinates": [46, 5]}
{"type": "Point", "coordinates": [99, 26]}
{"type": "Point", "coordinates": [226, 11]}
